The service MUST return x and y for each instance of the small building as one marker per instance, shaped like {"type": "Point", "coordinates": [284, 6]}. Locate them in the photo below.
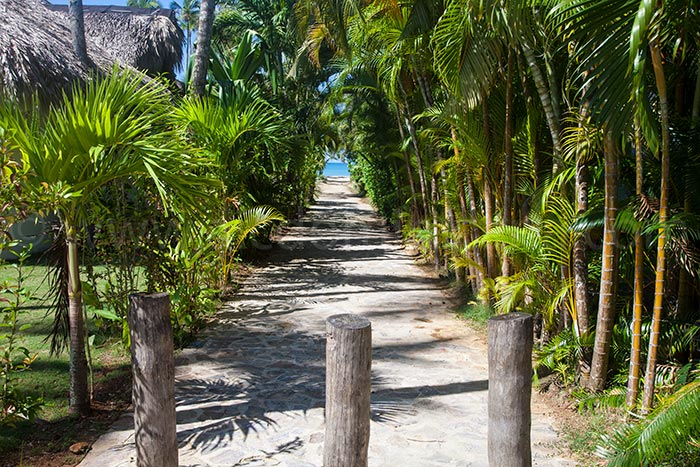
{"type": "Point", "coordinates": [37, 59]}
{"type": "Point", "coordinates": [36, 54]}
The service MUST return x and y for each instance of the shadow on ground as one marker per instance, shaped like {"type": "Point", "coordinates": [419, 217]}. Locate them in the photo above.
{"type": "Point", "coordinates": [262, 363]}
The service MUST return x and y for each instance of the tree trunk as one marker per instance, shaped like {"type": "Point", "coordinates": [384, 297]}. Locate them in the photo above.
{"type": "Point", "coordinates": [464, 230]}
{"type": "Point", "coordinates": [638, 303]}
{"type": "Point", "coordinates": [415, 210]}
{"type": "Point", "coordinates": [580, 259]}
{"type": "Point", "coordinates": [77, 29]}
{"type": "Point", "coordinates": [201, 57]}
{"type": "Point", "coordinates": [419, 160]}
{"type": "Point", "coordinates": [491, 259]}
{"type": "Point", "coordinates": [426, 91]}
{"type": "Point", "coordinates": [79, 396]}
{"type": "Point", "coordinates": [152, 358]}
{"type": "Point", "coordinates": [685, 286]}
{"type": "Point", "coordinates": [550, 111]}
{"type": "Point", "coordinates": [478, 256]}
{"type": "Point", "coordinates": [435, 200]}
{"type": "Point", "coordinates": [508, 163]}
{"type": "Point", "coordinates": [608, 279]}
{"type": "Point", "coordinates": [579, 251]}
{"type": "Point", "coordinates": [659, 282]}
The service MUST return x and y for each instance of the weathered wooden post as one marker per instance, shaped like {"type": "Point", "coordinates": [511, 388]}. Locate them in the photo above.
{"type": "Point", "coordinates": [348, 381]}
{"type": "Point", "coordinates": [154, 380]}
{"type": "Point", "coordinates": [510, 390]}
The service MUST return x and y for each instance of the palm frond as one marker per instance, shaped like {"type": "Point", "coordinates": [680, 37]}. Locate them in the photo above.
{"type": "Point", "coordinates": [658, 438]}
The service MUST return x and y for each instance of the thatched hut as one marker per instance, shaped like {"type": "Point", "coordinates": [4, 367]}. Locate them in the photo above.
{"type": "Point", "coordinates": [147, 39]}
{"type": "Point", "coordinates": [36, 55]}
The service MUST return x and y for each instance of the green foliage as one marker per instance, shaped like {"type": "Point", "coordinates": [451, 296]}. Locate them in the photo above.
{"type": "Point", "coordinates": [538, 251]}
{"type": "Point", "coordinates": [562, 355]}
{"type": "Point", "coordinates": [15, 405]}
{"type": "Point", "coordinates": [377, 181]}
{"type": "Point", "coordinates": [478, 313]}
{"type": "Point", "coordinates": [422, 238]}
{"type": "Point", "coordinates": [671, 429]}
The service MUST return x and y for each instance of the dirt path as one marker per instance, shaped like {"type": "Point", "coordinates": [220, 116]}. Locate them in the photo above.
{"type": "Point", "coordinates": [251, 391]}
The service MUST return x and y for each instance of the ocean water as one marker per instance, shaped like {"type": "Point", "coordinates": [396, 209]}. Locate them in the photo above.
{"type": "Point", "coordinates": [336, 169]}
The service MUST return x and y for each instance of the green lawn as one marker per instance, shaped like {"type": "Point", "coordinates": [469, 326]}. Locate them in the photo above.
{"type": "Point", "coordinates": [49, 376]}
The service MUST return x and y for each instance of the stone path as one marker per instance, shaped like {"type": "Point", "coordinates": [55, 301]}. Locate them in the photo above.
{"type": "Point", "coordinates": [251, 391]}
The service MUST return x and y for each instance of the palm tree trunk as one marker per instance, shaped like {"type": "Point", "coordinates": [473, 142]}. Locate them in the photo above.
{"type": "Point", "coordinates": [421, 170]}
{"type": "Point", "coordinates": [550, 111]}
{"type": "Point", "coordinates": [580, 260]}
{"type": "Point", "coordinates": [685, 279]}
{"type": "Point", "coordinates": [435, 200]}
{"type": "Point", "coordinates": [424, 85]}
{"type": "Point", "coordinates": [638, 302]}
{"type": "Point", "coordinates": [478, 256]}
{"type": "Point", "coordinates": [188, 45]}
{"type": "Point", "coordinates": [579, 252]}
{"type": "Point", "coordinates": [77, 29]}
{"type": "Point", "coordinates": [491, 258]}
{"type": "Point", "coordinates": [415, 210]}
{"type": "Point", "coordinates": [476, 279]}
{"type": "Point", "coordinates": [201, 58]}
{"type": "Point", "coordinates": [508, 163]}
{"type": "Point", "coordinates": [580, 269]}
{"type": "Point", "coordinates": [79, 396]}
{"type": "Point", "coordinates": [464, 230]}
{"type": "Point", "coordinates": [659, 282]}
{"type": "Point", "coordinates": [608, 279]}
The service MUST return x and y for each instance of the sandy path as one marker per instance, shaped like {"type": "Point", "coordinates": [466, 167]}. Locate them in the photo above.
{"type": "Point", "coordinates": [251, 391]}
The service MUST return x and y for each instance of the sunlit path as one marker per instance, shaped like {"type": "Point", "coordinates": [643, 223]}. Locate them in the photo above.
{"type": "Point", "coordinates": [250, 392]}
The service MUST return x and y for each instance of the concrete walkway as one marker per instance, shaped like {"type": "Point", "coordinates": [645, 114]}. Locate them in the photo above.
{"type": "Point", "coordinates": [251, 391]}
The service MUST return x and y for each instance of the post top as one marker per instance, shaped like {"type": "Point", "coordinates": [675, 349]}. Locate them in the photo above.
{"type": "Point", "coordinates": [147, 295]}
{"type": "Point", "coordinates": [511, 317]}
{"type": "Point", "coordinates": [348, 321]}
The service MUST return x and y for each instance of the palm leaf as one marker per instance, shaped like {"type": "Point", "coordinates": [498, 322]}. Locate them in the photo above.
{"type": "Point", "coordinates": [664, 434]}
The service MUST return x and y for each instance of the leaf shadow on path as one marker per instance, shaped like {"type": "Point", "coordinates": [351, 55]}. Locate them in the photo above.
{"type": "Point", "coordinates": [260, 363]}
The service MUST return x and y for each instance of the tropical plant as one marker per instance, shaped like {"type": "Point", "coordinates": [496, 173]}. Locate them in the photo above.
{"type": "Point", "coordinates": [15, 405]}
{"type": "Point", "coordinates": [201, 57]}
{"type": "Point", "coordinates": [143, 3]}
{"type": "Point", "coordinates": [669, 431]}
{"type": "Point", "coordinates": [187, 14]}
{"type": "Point", "coordinates": [538, 251]}
{"type": "Point", "coordinates": [111, 129]}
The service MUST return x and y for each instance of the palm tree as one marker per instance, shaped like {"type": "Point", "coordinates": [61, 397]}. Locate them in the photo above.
{"type": "Point", "coordinates": [188, 14]}
{"type": "Point", "coordinates": [204, 34]}
{"type": "Point", "coordinates": [77, 28]}
{"type": "Point", "coordinates": [669, 431]}
{"type": "Point", "coordinates": [111, 129]}
{"type": "Point", "coordinates": [143, 3]}
{"type": "Point", "coordinates": [601, 58]}
{"type": "Point", "coordinates": [272, 25]}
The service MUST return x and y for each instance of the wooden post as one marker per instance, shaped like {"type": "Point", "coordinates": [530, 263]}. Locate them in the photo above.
{"type": "Point", "coordinates": [348, 381]}
{"type": "Point", "coordinates": [510, 390]}
{"type": "Point", "coordinates": [154, 380]}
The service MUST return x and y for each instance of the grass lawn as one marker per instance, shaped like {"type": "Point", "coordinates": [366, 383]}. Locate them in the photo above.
{"type": "Point", "coordinates": [48, 378]}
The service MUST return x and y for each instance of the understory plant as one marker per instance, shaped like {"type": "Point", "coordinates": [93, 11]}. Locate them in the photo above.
{"type": "Point", "coordinates": [15, 405]}
{"type": "Point", "coordinates": [671, 431]}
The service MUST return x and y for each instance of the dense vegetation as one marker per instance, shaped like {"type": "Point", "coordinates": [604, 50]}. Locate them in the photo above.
{"type": "Point", "coordinates": [543, 153]}
{"type": "Point", "coordinates": [146, 190]}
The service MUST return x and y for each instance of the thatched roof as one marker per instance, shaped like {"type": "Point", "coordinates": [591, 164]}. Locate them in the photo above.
{"type": "Point", "coordinates": [147, 39]}
{"type": "Point", "coordinates": [36, 53]}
